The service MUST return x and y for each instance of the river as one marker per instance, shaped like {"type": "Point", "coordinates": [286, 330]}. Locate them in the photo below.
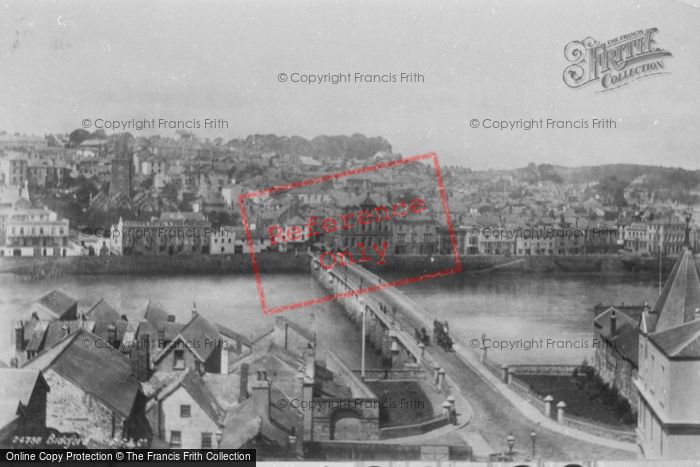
{"type": "Point", "coordinates": [509, 308]}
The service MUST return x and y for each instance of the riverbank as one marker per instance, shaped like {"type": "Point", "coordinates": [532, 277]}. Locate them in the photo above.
{"type": "Point", "coordinates": [289, 262]}
{"type": "Point", "coordinates": [42, 267]}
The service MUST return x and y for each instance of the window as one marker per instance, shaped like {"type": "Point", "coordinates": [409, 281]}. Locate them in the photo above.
{"type": "Point", "coordinates": [206, 440]}
{"type": "Point", "coordinates": [175, 438]}
{"type": "Point", "coordinates": [179, 359]}
{"type": "Point", "coordinates": [185, 411]}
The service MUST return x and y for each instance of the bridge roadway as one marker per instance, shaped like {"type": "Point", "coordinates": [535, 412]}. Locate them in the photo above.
{"type": "Point", "coordinates": [494, 415]}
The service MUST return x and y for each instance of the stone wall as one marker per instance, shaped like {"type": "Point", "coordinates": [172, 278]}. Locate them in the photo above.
{"type": "Point", "coordinates": [71, 410]}
{"type": "Point", "coordinates": [155, 265]}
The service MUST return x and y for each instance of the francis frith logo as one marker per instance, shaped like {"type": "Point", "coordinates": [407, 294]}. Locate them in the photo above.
{"type": "Point", "coordinates": [615, 63]}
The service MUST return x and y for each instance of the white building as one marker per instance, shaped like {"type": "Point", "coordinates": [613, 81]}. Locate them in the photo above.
{"type": "Point", "coordinates": [35, 232]}
{"type": "Point", "coordinates": [668, 379]}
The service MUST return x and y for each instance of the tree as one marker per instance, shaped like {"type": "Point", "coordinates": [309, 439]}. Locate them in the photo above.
{"type": "Point", "coordinates": [78, 136]}
{"type": "Point", "coordinates": [170, 192]}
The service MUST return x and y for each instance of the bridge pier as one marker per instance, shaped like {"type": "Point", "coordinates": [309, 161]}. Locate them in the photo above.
{"type": "Point", "coordinates": [396, 346]}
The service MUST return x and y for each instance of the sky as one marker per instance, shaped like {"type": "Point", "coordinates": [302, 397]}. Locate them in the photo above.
{"type": "Point", "coordinates": [65, 61]}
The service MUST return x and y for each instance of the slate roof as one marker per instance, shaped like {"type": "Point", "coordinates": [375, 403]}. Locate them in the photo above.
{"type": "Point", "coordinates": [100, 371]}
{"type": "Point", "coordinates": [153, 313]}
{"type": "Point", "coordinates": [602, 321]}
{"type": "Point", "coordinates": [626, 342]}
{"type": "Point", "coordinates": [57, 302]}
{"type": "Point", "coordinates": [202, 331]}
{"type": "Point", "coordinates": [59, 330]}
{"type": "Point", "coordinates": [223, 330]}
{"type": "Point", "coordinates": [195, 387]}
{"type": "Point", "coordinates": [680, 341]}
{"type": "Point", "coordinates": [681, 294]}
{"type": "Point", "coordinates": [34, 333]}
{"type": "Point", "coordinates": [16, 388]}
{"type": "Point", "coordinates": [103, 314]}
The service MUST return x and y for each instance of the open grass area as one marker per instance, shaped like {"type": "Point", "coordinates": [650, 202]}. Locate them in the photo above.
{"type": "Point", "coordinates": [402, 403]}
{"type": "Point", "coordinates": [585, 396]}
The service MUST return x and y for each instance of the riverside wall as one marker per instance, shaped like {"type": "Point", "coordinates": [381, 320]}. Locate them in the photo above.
{"type": "Point", "coordinates": [289, 262]}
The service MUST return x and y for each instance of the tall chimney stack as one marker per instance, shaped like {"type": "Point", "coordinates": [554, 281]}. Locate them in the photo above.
{"type": "Point", "coordinates": [613, 323]}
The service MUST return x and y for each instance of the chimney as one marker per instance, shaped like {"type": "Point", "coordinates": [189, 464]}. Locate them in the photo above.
{"type": "Point", "coordinates": [139, 358]}
{"type": "Point", "coordinates": [261, 396]}
{"type": "Point", "coordinates": [613, 323]}
{"type": "Point", "coordinates": [19, 337]}
{"type": "Point", "coordinates": [243, 392]}
{"type": "Point", "coordinates": [194, 310]}
{"type": "Point", "coordinates": [112, 335]}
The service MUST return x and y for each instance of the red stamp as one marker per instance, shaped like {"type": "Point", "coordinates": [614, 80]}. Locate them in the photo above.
{"type": "Point", "coordinates": [364, 234]}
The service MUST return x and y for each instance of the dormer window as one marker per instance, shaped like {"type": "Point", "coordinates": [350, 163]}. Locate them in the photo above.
{"type": "Point", "coordinates": [178, 359]}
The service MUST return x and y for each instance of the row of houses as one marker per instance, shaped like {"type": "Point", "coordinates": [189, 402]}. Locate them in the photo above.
{"type": "Point", "coordinates": [108, 378]}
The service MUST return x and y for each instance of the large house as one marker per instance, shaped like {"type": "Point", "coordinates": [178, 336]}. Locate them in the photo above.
{"type": "Point", "coordinates": [669, 367]}
{"type": "Point", "coordinates": [183, 412]}
{"type": "Point", "coordinates": [200, 345]}
{"type": "Point", "coordinates": [616, 332]}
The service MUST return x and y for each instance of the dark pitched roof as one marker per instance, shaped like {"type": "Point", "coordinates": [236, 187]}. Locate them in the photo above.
{"type": "Point", "coordinates": [680, 341]}
{"type": "Point", "coordinates": [17, 384]}
{"type": "Point", "coordinates": [194, 385]}
{"type": "Point", "coordinates": [16, 388]}
{"type": "Point", "coordinates": [58, 302]}
{"type": "Point", "coordinates": [224, 331]}
{"type": "Point", "coordinates": [681, 294]}
{"type": "Point", "coordinates": [101, 371]}
{"type": "Point", "coordinates": [626, 343]}
{"type": "Point", "coordinates": [59, 330]}
{"type": "Point", "coordinates": [202, 332]}
{"type": "Point", "coordinates": [154, 313]}
{"type": "Point", "coordinates": [34, 334]}
{"type": "Point", "coordinates": [602, 321]}
{"type": "Point", "coordinates": [103, 314]}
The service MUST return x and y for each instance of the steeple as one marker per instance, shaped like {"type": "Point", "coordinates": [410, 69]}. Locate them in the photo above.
{"type": "Point", "coordinates": [681, 294]}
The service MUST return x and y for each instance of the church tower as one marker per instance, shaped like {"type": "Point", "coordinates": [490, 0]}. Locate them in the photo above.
{"type": "Point", "coordinates": [122, 172]}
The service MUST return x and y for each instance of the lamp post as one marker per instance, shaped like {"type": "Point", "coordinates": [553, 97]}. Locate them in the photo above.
{"type": "Point", "coordinates": [533, 436]}
{"type": "Point", "coordinates": [510, 440]}
{"type": "Point", "coordinates": [219, 436]}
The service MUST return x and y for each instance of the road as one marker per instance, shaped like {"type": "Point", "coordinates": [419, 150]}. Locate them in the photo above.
{"type": "Point", "coordinates": [494, 416]}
